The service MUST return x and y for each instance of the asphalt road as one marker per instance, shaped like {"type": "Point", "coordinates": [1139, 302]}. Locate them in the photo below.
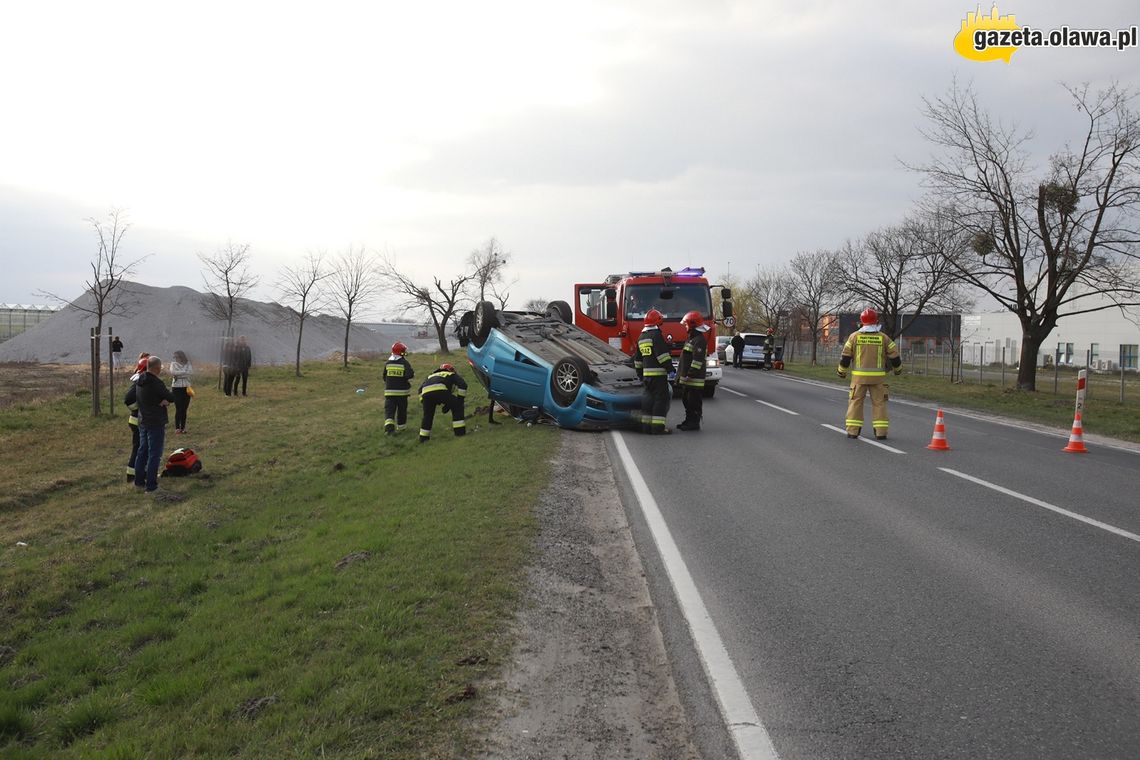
{"type": "Point", "coordinates": [875, 605]}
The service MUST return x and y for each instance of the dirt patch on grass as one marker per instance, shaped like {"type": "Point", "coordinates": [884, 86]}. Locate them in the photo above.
{"type": "Point", "coordinates": [589, 677]}
{"type": "Point", "coordinates": [24, 383]}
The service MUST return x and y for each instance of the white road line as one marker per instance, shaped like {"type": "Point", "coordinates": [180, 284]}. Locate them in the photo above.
{"type": "Point", "coordinates": [1044, 505]}
{"type": "Point", "coordinates": [782, 409]}
{"type": "Point", "coordinates": [738, 393]}
{"type": "Point", "coordinates": [891, 449]}
{"type": "Point", "coordinates": [751, 738]}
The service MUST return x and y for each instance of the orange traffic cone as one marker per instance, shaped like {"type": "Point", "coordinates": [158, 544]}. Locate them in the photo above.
{"type": "Point", "coordinates": [1076, 438]}
{"type": "Point", "coordinates": [938, 440]}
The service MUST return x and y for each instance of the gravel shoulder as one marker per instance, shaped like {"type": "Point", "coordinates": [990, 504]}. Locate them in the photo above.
{"type": "Point", "coordinates": [589, 677]}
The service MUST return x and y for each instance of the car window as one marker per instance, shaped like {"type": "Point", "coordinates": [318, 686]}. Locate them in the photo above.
{"type": "Point", "coordinates": [753, 339]}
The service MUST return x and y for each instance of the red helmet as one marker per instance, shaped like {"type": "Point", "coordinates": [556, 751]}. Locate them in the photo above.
{"type": "Point", "coordinates": [869, 316]}
{"type": "Point", "coordinates": [141, 366]}
{"type": "Point", "coordinates": [771, 331]}
{"type": "Point", "coordinates": [399, 349]}
{"type": "Point", "coordinates": [692, 320]}
{"type": "Point", "coordinates": [654, 318]}
{"type": "Point", "coordinates": [447, 367]}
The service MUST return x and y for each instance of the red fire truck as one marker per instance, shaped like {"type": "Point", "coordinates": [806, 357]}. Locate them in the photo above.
{"type": "Point", "coordinates": [614, 310]}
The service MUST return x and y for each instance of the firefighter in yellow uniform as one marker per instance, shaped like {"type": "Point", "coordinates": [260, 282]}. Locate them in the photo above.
{"type": "Point", "coordinates": [445, 388]}
{"type": "Point", "coordinates": [398, 374]}
{"type": "Point", "coordinates": [867, 354]}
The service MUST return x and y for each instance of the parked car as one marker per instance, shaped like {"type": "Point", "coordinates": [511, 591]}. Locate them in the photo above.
{"type": "Point", "coordinates": [722, 343]}
{"type": "Point", "coordinates": [541, 366]}
{"type": "Point", "coordinates": [753, 349]}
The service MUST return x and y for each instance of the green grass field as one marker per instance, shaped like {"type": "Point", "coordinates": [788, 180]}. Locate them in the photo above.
{"type": "Point", "coordinates": [1104, 413]}
{"type": "Point", "coordinates": [318, 590]}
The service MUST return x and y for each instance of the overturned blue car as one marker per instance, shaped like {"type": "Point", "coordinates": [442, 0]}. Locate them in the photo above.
{"type": "Point", "coordinates": [539, 366]}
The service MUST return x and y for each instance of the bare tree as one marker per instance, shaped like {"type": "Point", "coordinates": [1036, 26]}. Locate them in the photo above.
{"type": "Point", "coordinates": [536, 304]}
{"type": "Point", "coordinates": [900, 270]}
{"type": "Point", "coordinates": [1044, 245]}
{"type": "Point", "coordinates": [745, 308]}
{"type": "Point", "coordinates": [817, 291]}
{"type": "Point", "coordinates": [773, 293]}
{"type": "Point", "coordinates": [227, 278]}
{"type": "Point", "coordinates": [354, 283]}
{"type": "Point", "coordinates": [105, 296]}
{"type": "Point", "coordinates": [487, 264]}
{"type": "Point", "coordinates": [300, 287]}
{"type": "Point", "coordinates": [440, 300]}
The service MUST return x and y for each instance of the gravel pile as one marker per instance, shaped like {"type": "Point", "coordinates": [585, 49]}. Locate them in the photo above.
{"type": "Point", "coordinates": [163, 320]}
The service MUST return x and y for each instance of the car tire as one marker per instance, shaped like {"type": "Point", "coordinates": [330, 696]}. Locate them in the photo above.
{"type": "Point", "coordinates": [485, 318]}
{"type": "Point", "coordinates": [567, 377]}
{"type": "Point", "coordinates": [709, 390]}
{"type": "Point", "coordinates": [560, 310]}
{"type": "Point", "coordinates": [464, 330]}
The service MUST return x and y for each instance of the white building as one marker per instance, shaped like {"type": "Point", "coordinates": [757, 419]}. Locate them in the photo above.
{"type": "Point", "coordinates": [1107, 340]}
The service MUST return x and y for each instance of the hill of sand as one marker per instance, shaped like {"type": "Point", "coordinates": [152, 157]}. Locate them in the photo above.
{"type": "Point", "coordinates": [163, 320]}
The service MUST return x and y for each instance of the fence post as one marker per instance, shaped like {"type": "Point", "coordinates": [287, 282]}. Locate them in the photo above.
{"type": "Point", "coordinates": [93, 350]}
{"type": "Point", "coordinates": [1056, 370]}
{"type": "Point", "coordinates": [981, 363]}
{"type": "Point", "coordinates": [1122, 382]}
{"type": "Point", "coordinates": [1003, 366]}
{"type": "Point", "coordinates": [110, 371]}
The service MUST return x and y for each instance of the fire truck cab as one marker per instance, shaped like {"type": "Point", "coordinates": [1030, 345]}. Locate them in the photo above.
{"type": "Point", "coordinates": [614, 310]}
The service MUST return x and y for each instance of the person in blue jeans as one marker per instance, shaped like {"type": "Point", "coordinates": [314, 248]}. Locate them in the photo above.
{"type": "Point", "coordinates": [153, 397]}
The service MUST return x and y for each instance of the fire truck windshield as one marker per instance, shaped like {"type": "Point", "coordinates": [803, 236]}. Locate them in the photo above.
{"type": "Point", "coordinates": [686, 297]}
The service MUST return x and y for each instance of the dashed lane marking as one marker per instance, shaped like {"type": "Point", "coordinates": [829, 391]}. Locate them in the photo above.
{"type": "Point", "coordinates": [782, 409]}
{"type": "Point", "coordinates": [751, 738]}
{"type": "Point", "coordinates": [1043, 504]}
{"type": "Point", "coordinates": [738, 393]}
{"type": "Point", "coordinates": [881, 445]}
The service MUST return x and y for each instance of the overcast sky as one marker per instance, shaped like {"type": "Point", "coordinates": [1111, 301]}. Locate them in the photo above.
{"type": "Point", "coordinates": [588, 137]}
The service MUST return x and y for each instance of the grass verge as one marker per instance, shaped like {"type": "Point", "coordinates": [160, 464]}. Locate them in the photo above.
{"type": "Point", "coordinates": [1103, 415]}
{"type": "Point", "coordinates": [319, 589]}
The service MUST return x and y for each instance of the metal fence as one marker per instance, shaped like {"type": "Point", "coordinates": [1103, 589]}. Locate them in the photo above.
{"type": "Point", "coordinates": [974, 363]}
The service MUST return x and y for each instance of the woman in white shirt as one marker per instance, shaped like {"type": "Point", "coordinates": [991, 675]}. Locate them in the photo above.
{"type": "Point", "coordinates": [180, 372]}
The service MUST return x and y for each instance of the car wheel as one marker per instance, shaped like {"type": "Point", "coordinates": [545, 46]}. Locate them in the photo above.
{"type": "Point", "coordinates": [463, 332]}
{"type": "Point", "coordinates": [485, 319]}
{"type": "Point", "coordinates": [710, 390]}
{"type": "Point", "coordinates": [567, 378]}
{"type": "Point", "coordinates": [560, 310]}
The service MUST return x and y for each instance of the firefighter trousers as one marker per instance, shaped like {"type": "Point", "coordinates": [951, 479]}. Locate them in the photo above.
{"type": "Point", "coordinates": [879, 420]}
{"type": "Point", "coordinates": [693, 397]}
{"type": "Point", "coordinates": [446, 402]}
{"type": "Point", "coordinates": [395, 413]}
{"type": "Point", "coordinates": [655, 404]}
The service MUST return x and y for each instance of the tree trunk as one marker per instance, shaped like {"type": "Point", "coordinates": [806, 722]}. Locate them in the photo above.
{"type": "Point", "coordinates": [300, 332]}
{"type": "Point", "coordinates": [347, 327]}
{"type": "Point", "coordinates": [441, 334]}
{"type": "Point", "coordinates": [96, 385]}
{"type": "Point", "coordinates": [1027, 369]}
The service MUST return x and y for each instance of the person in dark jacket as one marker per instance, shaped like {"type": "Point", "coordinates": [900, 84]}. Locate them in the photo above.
{"type": "Point", "coordinates": [116, 353]}
{"type": "Point", "coordinates": [737, 344]}
{"type": "Point", "coordinates": [153, 397]}
{"type": "Point", "coordinates": [691, 374]}
{"type": "Point", "coordinates": [132, 403]}
{"type": "Point", "coordinates": [229, 366]}
{"type": "Point", "coordinates": [398, 374]}
{"type": "Point", "coordinates": [243, 360]}
{"type": "Point", "coordinates": [445, 388]}
{"type": "Point", "coordinates": [654, 363]}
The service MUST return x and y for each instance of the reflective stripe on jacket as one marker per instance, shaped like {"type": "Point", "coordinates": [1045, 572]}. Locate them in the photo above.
{"type": "Point", "coordinates": [692, 371]}
{"type": "Point", "coordinates": [868, 354]}
{"type": "Point", "coordinates": [652, 358]}
{"type": "Point", "coordinates": [442, 381]}
{"type": "Point", "coordinates": [398, 374]}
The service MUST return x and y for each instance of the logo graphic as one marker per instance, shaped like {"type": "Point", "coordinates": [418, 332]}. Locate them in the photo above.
{"type": "Point", "coordinates": [976, 26]}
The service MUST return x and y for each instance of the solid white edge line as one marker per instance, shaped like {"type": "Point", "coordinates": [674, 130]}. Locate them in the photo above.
{"type": "Point", "coordinates": [751, 738]}
{"type": "Point", "coordinates": [865, 440]}
{"type": "Point", "coordinates": [782, 409]}
{"type": "Point", "coordinates": [1043, 504]}
{"type": "Point", "coordinates": [738, 393]}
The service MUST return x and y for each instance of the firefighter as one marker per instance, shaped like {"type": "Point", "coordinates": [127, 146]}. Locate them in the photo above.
{"type": "Point", "coordinates": [446, 389]}
{"type": "Point", "coordinates": [398, 374]}
{"type": "Point", "coordinates": [769, 347]}
{"type": "Point", "coordinates": [691, 375]}
{"type": "Point", "coordinates": [867, 353]}
{"type": "Point", "coordinates": [654, 364]}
